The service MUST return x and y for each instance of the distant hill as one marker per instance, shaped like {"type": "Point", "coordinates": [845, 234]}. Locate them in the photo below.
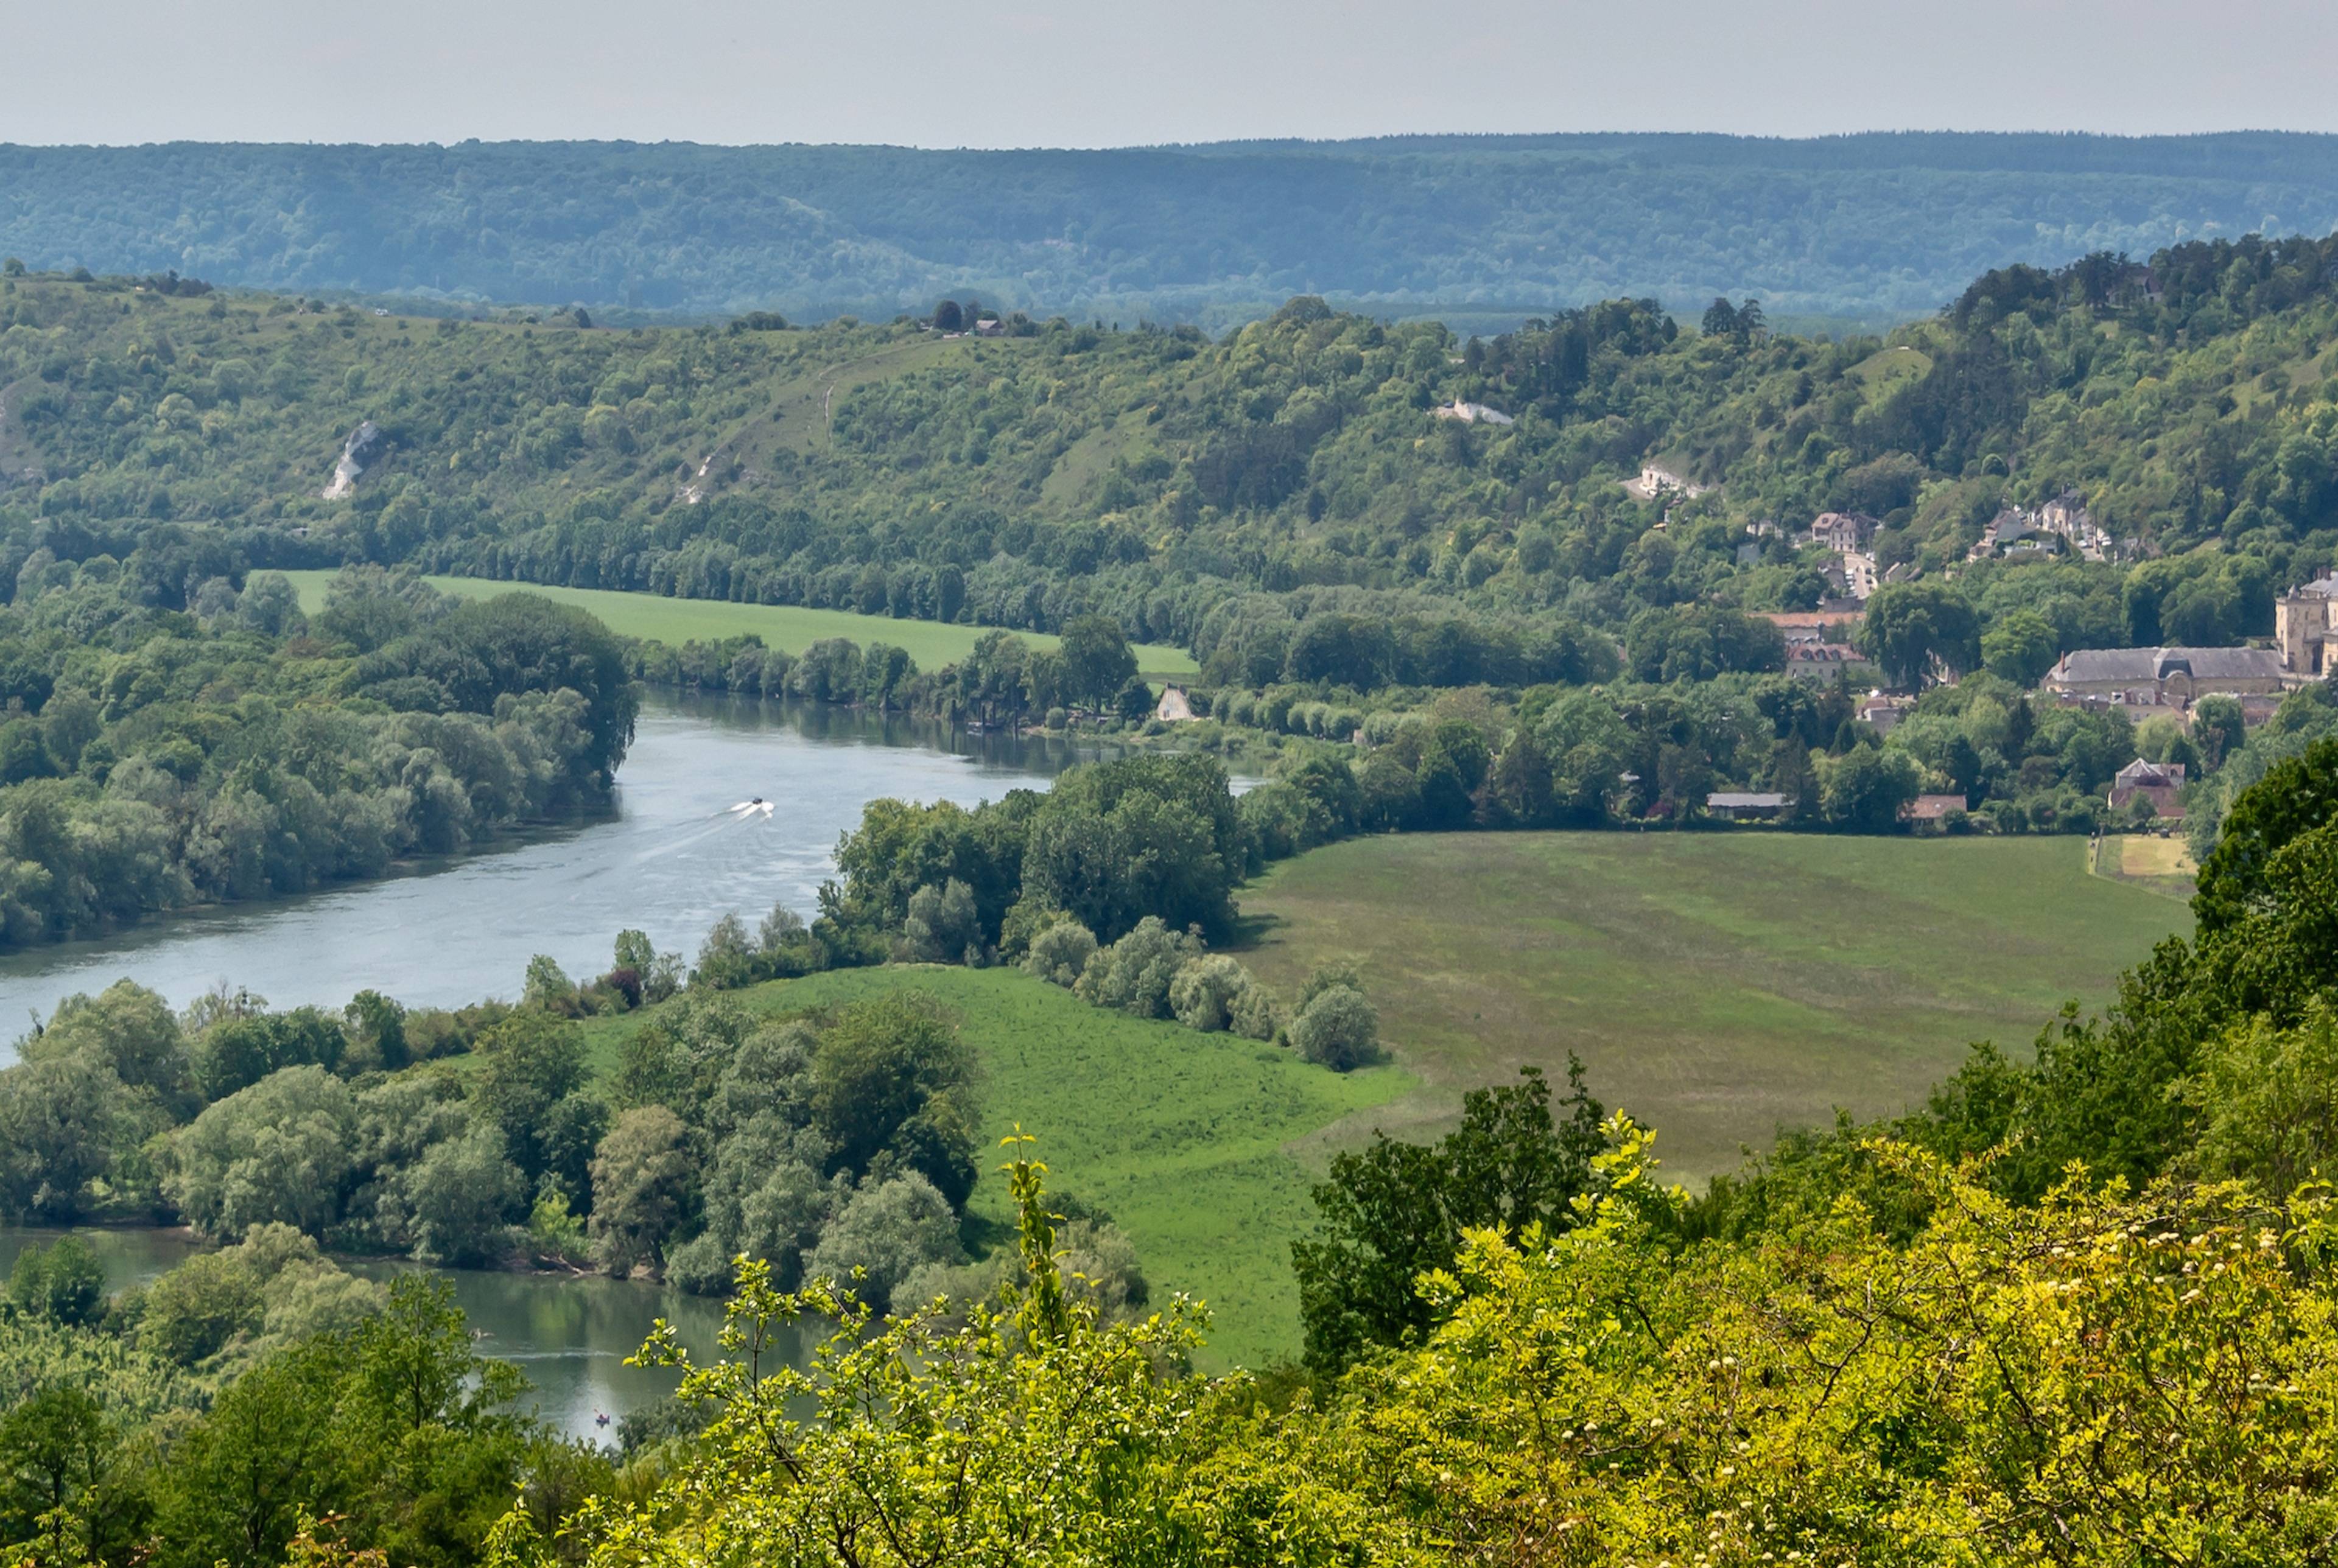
{"type": "Point", "coordinates": [1869, 228]}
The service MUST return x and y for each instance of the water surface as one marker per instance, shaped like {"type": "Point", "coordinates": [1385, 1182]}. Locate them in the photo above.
{"type": "Point", "coordinates": [671, 859]}
{"type": "Point", "coordinates": [569, 1334]}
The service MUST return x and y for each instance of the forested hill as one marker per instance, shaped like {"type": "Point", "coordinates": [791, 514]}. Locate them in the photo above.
{"type": "Point", "coordinates": [1024, 478]}
{"type": "Point", "coordinates": [1872, 226]}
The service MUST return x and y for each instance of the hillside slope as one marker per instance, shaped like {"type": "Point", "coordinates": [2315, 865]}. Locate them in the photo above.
{"type": "Point", "coordinates": [1161, 477]}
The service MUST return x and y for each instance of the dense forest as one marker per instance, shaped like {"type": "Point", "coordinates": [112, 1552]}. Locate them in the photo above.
{"type": "Point", "coordinates": [1878, 226]}
{"type": "Point", "coordinates": [2077, 1308]}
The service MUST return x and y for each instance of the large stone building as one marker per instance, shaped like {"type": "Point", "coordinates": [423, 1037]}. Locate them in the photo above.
{"type": "Point", "coordinates": [2305, 628]}
{"type": "Point", "coordinates": [2164, 677]}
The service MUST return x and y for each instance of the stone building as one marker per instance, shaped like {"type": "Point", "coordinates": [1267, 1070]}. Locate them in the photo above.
{"type": "Point", "coordinates": [2305, 628]}
{"type": "Point", "coordinates": [2164, 677]}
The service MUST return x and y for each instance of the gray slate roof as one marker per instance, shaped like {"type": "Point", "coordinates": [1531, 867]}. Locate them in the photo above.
{"type": "Point", "coordinates": [2145, 664]}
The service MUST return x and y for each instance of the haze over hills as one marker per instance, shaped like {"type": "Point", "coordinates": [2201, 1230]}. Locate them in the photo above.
{"type": "Point", "coordinates": [1872, 228]}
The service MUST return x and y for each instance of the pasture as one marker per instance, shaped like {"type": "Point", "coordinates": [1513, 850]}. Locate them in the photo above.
{"type": "Point", "coordinates": [654, 618]}
{"type": "Point", "coordinates": [1185, 1139]}
{"type": "Point", "coordinates": [1717, 986]}
{"type": "Point", "coordinates": [2147, 860]}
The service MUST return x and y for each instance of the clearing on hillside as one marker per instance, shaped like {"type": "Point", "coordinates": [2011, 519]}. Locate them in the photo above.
{"type": "Point", "coordinates": [654, 618]}
{"type": "Point", "coordinates": [1715, 986]}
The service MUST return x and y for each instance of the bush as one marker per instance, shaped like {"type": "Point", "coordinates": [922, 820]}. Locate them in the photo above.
{"type": "Point", "coordinates": [892, 1229]}
{"type": "Point", "coordinates": [1256, 1014]}
{"type": "Point", "coordinates": [1134, 974]}
{"type": "Point", "coordinates": [1205, 993]}
{"type": "Point", "coordinates": [1337, 1028]}
{"type": "Point", "coordinates": [1060, 953]}
{"type": "Point", "coordinates": [943, 925]}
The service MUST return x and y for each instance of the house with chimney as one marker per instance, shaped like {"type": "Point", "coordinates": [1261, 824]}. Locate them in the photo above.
{"type": "Point", "coordinates": [1844, 532]}
{"type": "Point", "coordinates": [2161, 783]}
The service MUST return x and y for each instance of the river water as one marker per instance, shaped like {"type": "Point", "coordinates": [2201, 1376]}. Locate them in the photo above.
{"type": "Point", "coordinates": [570, 1335]}
{"type": "Point", "coordinates": [670, 859]}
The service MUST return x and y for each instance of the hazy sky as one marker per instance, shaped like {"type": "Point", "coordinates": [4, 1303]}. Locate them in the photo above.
{"type": "Point", "coordinates": [1091, 73]}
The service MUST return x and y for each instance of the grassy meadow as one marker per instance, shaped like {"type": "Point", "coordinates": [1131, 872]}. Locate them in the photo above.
{"type": "Point", "coordinates": [654, 618]}
{"type": "Point", "coordinates": [1186, 1138]}
{"type": "Point", "coordinates": [1715, 986]}
{"type": "Point", "coordinates": [2146, 860]}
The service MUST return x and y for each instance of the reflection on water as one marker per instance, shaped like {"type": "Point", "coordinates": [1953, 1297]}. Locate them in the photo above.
{"type": "Point", "coordinates": [672, 860]}
{"type": "Point", "coordinates": [571, 1335]}
{"type": "Point", "coordinates": [131, 1257]}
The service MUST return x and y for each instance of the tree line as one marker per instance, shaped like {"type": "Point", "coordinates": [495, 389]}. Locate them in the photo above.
{"type": "Point", "coordinates": [215, 744]}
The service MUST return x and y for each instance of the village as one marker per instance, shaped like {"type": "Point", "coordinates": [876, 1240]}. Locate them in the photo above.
{"type": "Point", "coordinates": [1821, 645]}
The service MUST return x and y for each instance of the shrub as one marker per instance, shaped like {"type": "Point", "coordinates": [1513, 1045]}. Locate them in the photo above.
{"type": "Point", "coordinates": [1206, 993]}
{"type": "Point", "coordinates": [1337, 1028]}
{"type": "Point", "coordinates": [1256, 1014]}
{"type": "Point", "coordinates": [1060, 953]}
{"type": "Point", "coordinates": [1134, 974]}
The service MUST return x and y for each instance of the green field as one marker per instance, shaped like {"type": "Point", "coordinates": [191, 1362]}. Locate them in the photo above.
{"type": "Point", "coordinates": [1187, 1138]}
{"type": "Point", "coordinates": [657, 619]}
{"type": "Point", "coordinates": [1717, 986]}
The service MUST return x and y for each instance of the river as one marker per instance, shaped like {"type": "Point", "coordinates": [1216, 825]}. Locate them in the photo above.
{"type": "Point", "coordinates": [671, 858]}
{"type": "Point", "coordinates": [570, 1335]}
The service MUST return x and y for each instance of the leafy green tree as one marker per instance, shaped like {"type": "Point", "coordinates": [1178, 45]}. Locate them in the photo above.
{"type": "Point", "coordinates": [1337, 1028]}
{"type": "Point", "coordinates": [278, 1152]}
{"type": "Point", "coordinates": [1097, 661]}
{"type": "Point", "coordinates": [265, 1455]}
{"type": "Point", "coordinates": [462, 1197]}
{"type": "Point", "coordinates": [2295, 797]}
{"type": "Point", "coordinates": [2019, 647]}
{"type": "Point", "coordinates": [62, 1282]}
{"type": "Point", "coordinates": [1864, 789]}
{"type": "Point", "coordinates": [130, 1030]}
{"type": "Point", "coordinates": [887, 1230]}
{"type": "Point", "coordinates": [376, 1029]}
{"type": "Point", "coordinates": [2219, 728]}
{"type": "Point", "coordinates": [546, 985]}
{"type": "Point", "coordinates": [56, 1447]}
{"type": "Point", "coordinates": [237, 1052]}
{"type": "Point", "coordinates": [1393, 1211]}
{"type": "Point", "coordinates": [528, 1063]}
{"type": "Point", "coordinates": [943, 924]}
{"type": "Point", "coordinates": [59, 1120]}
{"type": "Point", "coordinates": [1908, 626]}
{"type": "Point", "coordinates": [892, 1076]}
{"type": "Point", "coordinates": [641, 1189]}
{"type": "Point", "coordinates": [1116, 841]}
